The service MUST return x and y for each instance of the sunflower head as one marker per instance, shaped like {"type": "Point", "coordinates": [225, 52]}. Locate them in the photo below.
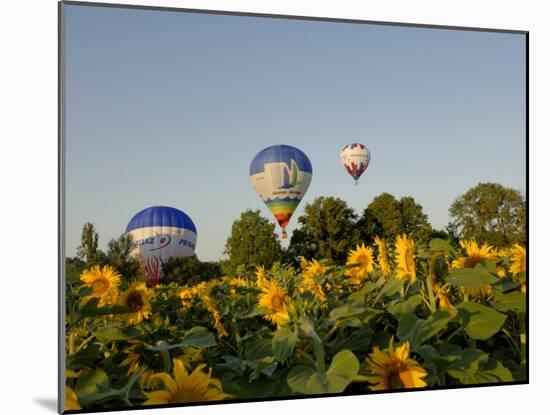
{"type": "Point", "coordinates": [382, 257]}
{"type": "Point", "coordinates": [132, 359]}
{"type": "Point", "coordinates": [405, 258]}
{"type": "Point", "coordinates": [191, 355]}
{"type": "Point", "coordinates": [71, 399]}
{"type": "Point", "coordinates": [186, 296]}
{"type": "Point", "coordinates": [274, 301]}
{"type": "Point", "coordinates": [183, 386]}
{"type": "Point", "coordinates": [474, 254]}
{"type": "Point", "coordinates": [394, 369]}
{"type": "Point", "coordinates": [311, 270]}
{"type": "Point", "coordinates": [441, 293]}
{"type": "Point", "coordinates": [260, 276]}
{"type": "Point", "coordinates": [519, 260]}
{"type": "Point", "coordinates": [362, 257]}
{"type": "Point", "coordinates": [138, 298]}
{"type": "Point", "coordinates": [234, 283]}
{"type": "Point", "coordinates": [104, 283]}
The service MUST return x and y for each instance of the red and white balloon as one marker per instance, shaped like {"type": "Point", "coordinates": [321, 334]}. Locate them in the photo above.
{"type": "Point", "coordinates": [355, 158]}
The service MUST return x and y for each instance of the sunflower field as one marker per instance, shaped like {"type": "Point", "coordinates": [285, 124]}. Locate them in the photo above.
{"type": "Point", "coordinates": [394, 316]}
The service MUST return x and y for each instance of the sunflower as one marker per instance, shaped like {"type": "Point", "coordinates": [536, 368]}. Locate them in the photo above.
{"type": "Point", "coordinates": [260, 275]}
{"type": "Point", "coordinates": [190, 354]}
{"type": "Point", "coordinates": [184, 386]}
{"type": "Point", "coordinates": [137, 297]}
{"type": "Point", "coordinates": [104, 283]}
{"type": "Point", "coordinates": [362, 256]}
{"type": "Point", "coordinates": [519, 260]}
{"type": "Point", "coordinates": [132, 357]}
{"type": "Point", "coordinates": [311, 270]}
{"type": "Point", "coordinates": [382, 257]}
{"type": "Point", "coordinates": [441, 293]}
{"type": "Point", "coordinates": [144, 378]}
{"type": "Point", "coordinates": [71, 399]}
{"type": "Point", "coordinates": [273, 299]}
{"type": "Point", "coordinates": [204, 291]}
{"type": "Point", "coordinates": [404, 249]}
{"type": "Point", "coordinates": [234, 283]}
{"type": "Point", "coordinates": [474, 254]}
{"type": "Point", "coordinates": [186, 296]}
{"type": "Point", "coordinates": [393, 369]}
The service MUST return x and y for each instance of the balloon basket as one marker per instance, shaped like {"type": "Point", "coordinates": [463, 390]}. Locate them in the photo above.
{"type": "Point", "coordinates": [283, 234]}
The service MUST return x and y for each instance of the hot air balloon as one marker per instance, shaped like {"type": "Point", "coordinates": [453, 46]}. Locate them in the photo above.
{"type": "Point", "coordinates": [159, 233]}
{"type": "Point", "coordinates": [281, 175]}
{"type": "Point", "coordinates": [355, 158]}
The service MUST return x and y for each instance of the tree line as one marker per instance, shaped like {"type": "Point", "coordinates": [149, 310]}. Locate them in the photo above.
{"type": "Point", "coordinates": [329, 228]}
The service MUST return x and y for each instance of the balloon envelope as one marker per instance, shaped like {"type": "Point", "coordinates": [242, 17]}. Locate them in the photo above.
{"type": "Point", "coordinates": [281, 175]}
{"type": "Point", "coordinates": [159, 233]}
{"type": "Point", "coordinates": [355, 158]}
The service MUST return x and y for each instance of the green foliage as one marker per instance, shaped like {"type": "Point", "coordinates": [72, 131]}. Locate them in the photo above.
{"type": "Point", "coordinates": [189, 270]}
{"type": "Point", "coordinates": [118, 256]}
{"type": "Point", "coordinates": [327, 230]}
{"type": "Point", "coordinates": [88, 248]}
{"type": "Point", "coordinates": [74, 267]}
{"type": "Point", "coordinates": [388, 217]}
{"type": "Point", "coordinates": [492, 213]}
{"type": "Point", "coordinates": [252, 241]}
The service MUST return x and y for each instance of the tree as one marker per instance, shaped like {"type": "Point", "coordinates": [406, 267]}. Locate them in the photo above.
{"type": "Point", "coordinates": [88, 250]}
{"type": "Point", "coordinates": [189, 270]}
{"type": "Point", "coordinates": [492, 213]}
{"type": "Point", "coordinates": [327, 230]}
{"type": "Point", "coordinates": [118, 256]}
{"type": "Point", "coordinates": [252, 242]}
{"type": "Point", "coordinates": [388, 217]}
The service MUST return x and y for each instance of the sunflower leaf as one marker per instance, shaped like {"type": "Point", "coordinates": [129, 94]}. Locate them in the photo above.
{"type": "Point", "coordinates": [90, 309]}
{"type": "Point", "coordinates": [87, 382]}
{"type": "Point", "coordinates": [317, 383]}
{"type": "Point", "coordinates": [392, 286]}
{"type": "Point", "coordinates": [198, 337]}
{"type": "Point", "coordinates": [405, 307]}
{"type": "Point", "coordinates": [343, 368]}
{"type": "Point", "coordinates": [467, 365]}
{"type": "Point", "coordinates": [480, 321]}
{"type": "Point", "coordinates": [471, 277]}
{"type": "Point", "coordinates": [438, 244]}
{"type": "Point", "coordinates": [283, 343]}
{"type": "Point", "coordinates": [85, 357]}
{"type": "Point", "coordinates": [115, 333]}
{"type": "Point", "coordinates": [514, 301]}
{"type": "Point", "coordinates": [418, 331]}
{"type": "Point", "coordinates": [298, 377]}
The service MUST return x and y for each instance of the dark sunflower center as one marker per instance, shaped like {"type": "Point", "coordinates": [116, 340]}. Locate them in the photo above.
{"type": "Point", "coordinates": [99, 287]}
{"type": "Point", "coordinates": [134, 301]}
{"type": "Point", "coordinates": [472, 261]}
{"type": "Point", "coordinates": [395, 381]}
{"type": "Point", "coordinates": [277, 302]}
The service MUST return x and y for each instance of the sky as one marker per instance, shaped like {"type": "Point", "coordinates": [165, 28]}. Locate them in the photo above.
{"type": "Point", "coordinates": [170, 108]}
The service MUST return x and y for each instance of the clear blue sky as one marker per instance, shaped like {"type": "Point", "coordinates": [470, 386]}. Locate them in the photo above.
{"type": "Point", "coordinates": [170, 108]}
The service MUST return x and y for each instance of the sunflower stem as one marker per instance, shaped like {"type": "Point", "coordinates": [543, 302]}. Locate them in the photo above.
{"type": "Point", "coordinates": [522, 335]}
{"type": "Point", "coordinates": [319, 356]}
{"type": "Point", "coordinates": [430, 280]}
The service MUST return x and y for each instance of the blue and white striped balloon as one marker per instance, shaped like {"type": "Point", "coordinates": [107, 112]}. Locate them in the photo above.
{"type": "Point", "coordinates": [159, 233]}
